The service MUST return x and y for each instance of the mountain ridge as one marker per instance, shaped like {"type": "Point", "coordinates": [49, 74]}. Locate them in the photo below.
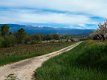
{"type": "Point", "coordinates": [49, 30]}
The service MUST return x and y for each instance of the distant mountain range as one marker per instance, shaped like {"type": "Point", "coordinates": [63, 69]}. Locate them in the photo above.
{"type": "Point", "coordinates": [49, 30]}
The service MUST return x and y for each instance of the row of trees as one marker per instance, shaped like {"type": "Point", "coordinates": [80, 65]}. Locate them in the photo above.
{"type": "Point", "coordinates": [8, 38]}
{"type": "Point", "coordinates": [100, 33]}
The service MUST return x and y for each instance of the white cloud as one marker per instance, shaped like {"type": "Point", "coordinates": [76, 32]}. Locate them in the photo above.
{"type": "Point", "coordinates": [23, 17]}
{"type": "Point", "coordinates": [92, 7]}
{"type": "Point", "coordinates": [97, 7]}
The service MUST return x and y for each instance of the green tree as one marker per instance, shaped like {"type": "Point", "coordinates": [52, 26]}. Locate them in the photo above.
{"type": "Point", "coordinates": [48, 37]}
{"type": "Point", "coordinates": [4, 30]}
{"type": "Point", "coordinates": [28, 39]}
{"type": "Point", "coordinates": [56, 36]}
{"type": "Point", "coordinates": [20, 35]}
{"type": "Point", "coordinates": [37, 38]}
{"type": "Point", "coordinates": [1, 41]}
{"type": "Point", "coordinates": [8, 41]}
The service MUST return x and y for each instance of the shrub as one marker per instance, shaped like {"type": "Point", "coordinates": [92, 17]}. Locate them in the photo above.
{"type": "Point", "coordinates": [8, 41]}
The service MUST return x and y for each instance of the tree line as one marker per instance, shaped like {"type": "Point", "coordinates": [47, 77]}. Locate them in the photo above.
{"type": "Point", "coordinates": [8, 38]}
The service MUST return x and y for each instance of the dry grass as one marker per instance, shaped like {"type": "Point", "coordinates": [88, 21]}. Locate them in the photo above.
{"type": "Point", "coordinates": [13, 54]}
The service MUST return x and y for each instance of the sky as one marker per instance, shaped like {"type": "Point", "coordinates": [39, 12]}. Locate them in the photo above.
{"type": "Point", "coordinates": [79, 14]}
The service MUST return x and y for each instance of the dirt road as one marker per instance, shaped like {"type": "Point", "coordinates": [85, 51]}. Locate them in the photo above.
{"type": "Point", "coordinates": [23, 70]}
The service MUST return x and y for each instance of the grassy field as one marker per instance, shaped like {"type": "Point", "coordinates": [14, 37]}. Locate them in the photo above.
{"type": "Point", "coordinates": [88, 61]}
{"type": "Point", "coordinates": [13, 54]}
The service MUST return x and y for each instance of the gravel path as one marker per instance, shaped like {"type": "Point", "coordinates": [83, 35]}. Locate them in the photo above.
{"type": "Point", "coordinates": [23, 70]}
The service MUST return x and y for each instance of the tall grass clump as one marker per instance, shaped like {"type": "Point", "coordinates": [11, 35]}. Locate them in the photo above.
{"type": "Point", "coordinates": [85, 62]}
{"type": "Point", "coordinates": [94, 56]}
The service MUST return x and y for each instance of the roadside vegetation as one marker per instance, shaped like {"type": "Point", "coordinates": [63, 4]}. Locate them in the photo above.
{"type": "Point", "coordinates": [19, 45]}
{"type": "Point", "coordinates": [13, 54]}
{"type": "Point", "coordinates": [88, 61]}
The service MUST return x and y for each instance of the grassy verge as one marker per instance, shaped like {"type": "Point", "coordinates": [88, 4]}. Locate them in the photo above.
{"type": "Point", "coordinates": [13, 54]}
{"type": "Point", "coordinates": [88, 61]}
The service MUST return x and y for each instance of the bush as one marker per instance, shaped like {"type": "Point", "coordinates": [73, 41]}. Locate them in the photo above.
{"type": "Point", "coordinates": [8, 41]}
{"type": "Point", "coordinates": [1, 41]}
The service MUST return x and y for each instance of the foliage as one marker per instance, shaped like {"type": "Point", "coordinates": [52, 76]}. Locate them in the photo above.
{"type": "Point", "coordinates": [8, 41]}
{"type": "Point", "coordinates": [52, 37]}
{"type": "Point", "coordinates": [1, 41]}
{"type": "Point", "coordinates": [20, 35]}
{"type": "Point", "coordinates": [4, 30]}
{"type": "Point", "coordinates": [36, 38]}
{"type": "Point", "coordinates": [101, 32]}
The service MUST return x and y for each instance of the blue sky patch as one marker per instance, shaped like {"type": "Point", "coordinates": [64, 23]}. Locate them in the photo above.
{"type": "Point", "coordinates": [83, 14]}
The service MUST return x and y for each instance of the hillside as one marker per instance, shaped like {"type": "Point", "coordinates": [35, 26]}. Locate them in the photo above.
{"type": "Point", "coordinates": [49, 30]}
